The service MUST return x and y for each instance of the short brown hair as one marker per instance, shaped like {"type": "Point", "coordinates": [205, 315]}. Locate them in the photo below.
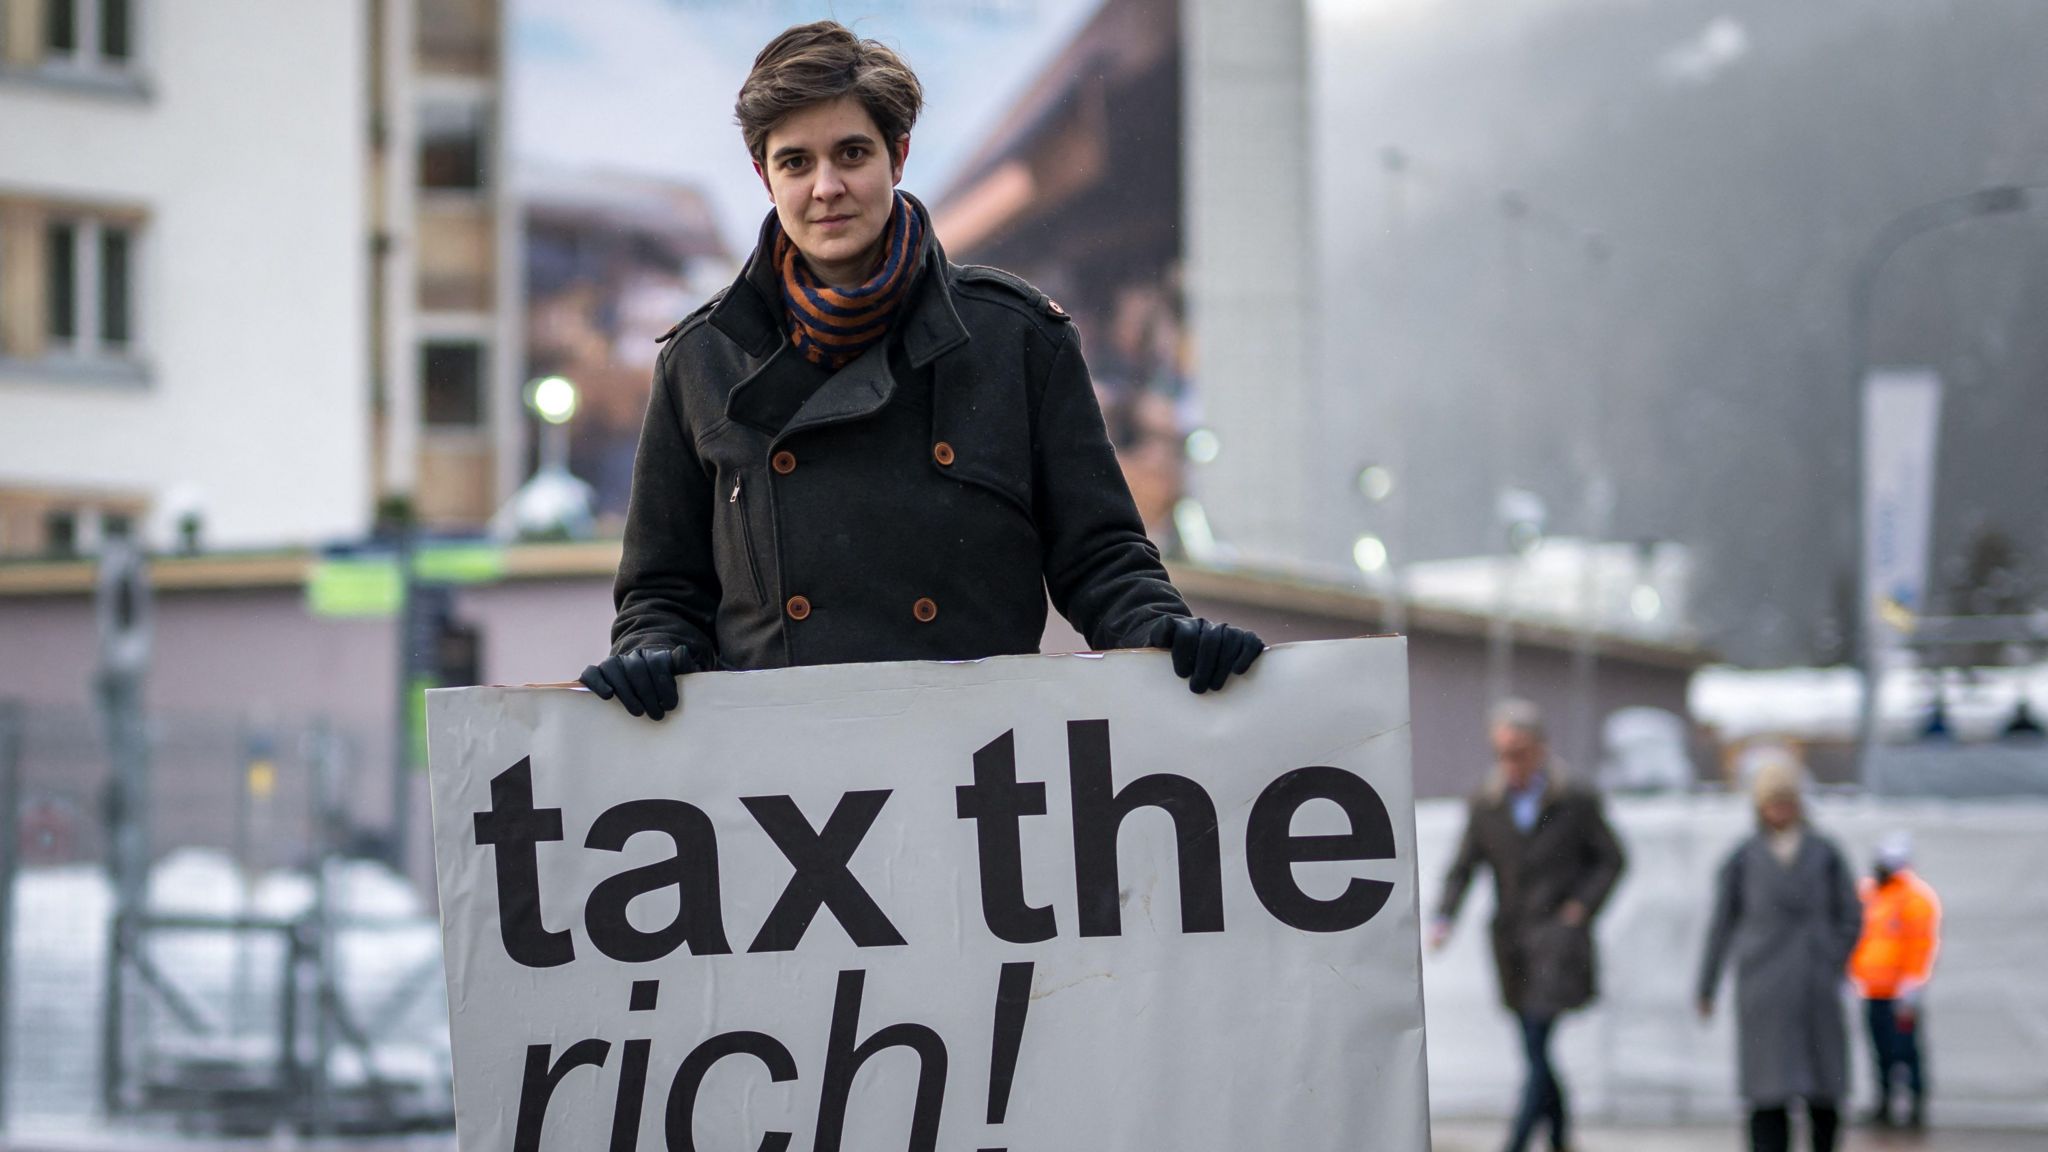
{"type": "Point", "coordinates": [815, 63]}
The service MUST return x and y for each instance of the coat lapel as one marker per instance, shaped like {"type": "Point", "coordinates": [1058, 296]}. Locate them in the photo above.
{"type": "Point", "coordinates": [932, 327]}
{"type": "Point", "coordinates": [750, 312]}
{"type": "Point", "coordinates": [855, 392]}
{"type": "Point", "coordinates": [772, 392]}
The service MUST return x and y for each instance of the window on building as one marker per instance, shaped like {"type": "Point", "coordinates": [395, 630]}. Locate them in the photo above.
{"type": "Point", "coordinates": [86, 270]}
{"type": "Point", "coordinates": [114, 288]}
{"type": "Point", "coordinates": [87, 33]}
{"type": "Point", "coordinates": [452, 147]}
{"type": "Point", "coordinates": [60, 256]}
{"type": "Point", "coordinates": [60, 27]}
{"type": "Point", "coordinates": [457, 36]}
{"type": "Point", "coordinates": [452, 374]}
{"type": "Point", "coordinates": [60, 533]}
{"type": "Point", "coordinates": [116, 30]}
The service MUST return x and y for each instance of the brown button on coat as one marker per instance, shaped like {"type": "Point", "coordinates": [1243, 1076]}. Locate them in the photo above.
{"type": "Point", "coordinates": [963, 460]}
{"type": "Point", "coordinates": [1545, 965]}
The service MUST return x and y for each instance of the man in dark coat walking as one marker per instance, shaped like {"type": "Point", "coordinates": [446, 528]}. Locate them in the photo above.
{"type": "Point", "coordinates": [1554, 861]}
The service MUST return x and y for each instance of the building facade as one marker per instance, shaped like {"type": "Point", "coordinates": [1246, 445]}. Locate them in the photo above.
{"type": "Point", "coordinates": [239, 651]}
{"type": "Point", "coordinates": [611, 262]}
{"type": "Point", "coordinates": [248, 297]}
{"type": "Point", "coordinates": [449, 426]}
{"type": "Point", "coordinates": [1153, 177]}
{"type": "Point", "coordinates": [182, 264]}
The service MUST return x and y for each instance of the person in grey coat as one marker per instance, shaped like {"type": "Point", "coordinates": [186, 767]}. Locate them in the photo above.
{"type": "Point", "coordinates": [1786, 912]}
{"type": "Point", "coordinates": [1554, 861]}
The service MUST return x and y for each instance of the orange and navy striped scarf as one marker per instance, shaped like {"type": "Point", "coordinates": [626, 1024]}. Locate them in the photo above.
{"type": "Point", "coordinates": [829, 326]}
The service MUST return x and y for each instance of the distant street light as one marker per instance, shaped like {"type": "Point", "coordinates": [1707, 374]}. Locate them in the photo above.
{"type": "Point", "coordinates": [1370, 554]}
{"type": "Point", "coordinates": [553, 502]}
{"type": "Point", "coordinates": [1521, 515]}
{"type": "Point", "coordinates": [1376, 482]}
{"type": "Point", "coordinates": [1999, 200]}
{"type": "Point", "coordinates": [553, 399]}
{"type": "Point", "coordinates": [1645, 604]}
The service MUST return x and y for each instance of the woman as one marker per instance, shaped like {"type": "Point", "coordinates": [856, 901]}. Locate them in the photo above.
{"type": "Point", "coordinates": [859, 451]}
{"type": "Point", "coordinates": [1786, 907]}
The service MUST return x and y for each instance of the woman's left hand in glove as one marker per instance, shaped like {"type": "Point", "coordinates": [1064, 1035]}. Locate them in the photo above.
{"type": "Point", "coordinates": [1206, 653]}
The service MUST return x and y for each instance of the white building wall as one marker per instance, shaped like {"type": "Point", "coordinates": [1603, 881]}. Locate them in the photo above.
{"type": "Point", "coordinates": [248, 155]}
{"type": "Point", "coordinates": [1251, 306]}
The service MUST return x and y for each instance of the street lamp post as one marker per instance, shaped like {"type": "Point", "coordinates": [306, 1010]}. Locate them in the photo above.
{"type": "Point", "coordinates": [552, 502]}
{"type": "Point", "coordinates": [1377, 481]}
{"type": "Point", "coordinates": [1598, 502]}
{"type": "Point", "coordinates": [1999, 200]}
{"type": "Point", "coordinates": [553, 399]}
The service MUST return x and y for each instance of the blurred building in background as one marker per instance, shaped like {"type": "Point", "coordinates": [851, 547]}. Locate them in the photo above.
{"type": "Point", "coordinates": [1523, 329]}
{"type": "Point", "coordinates": [613, 260]}
{"type": "Point", "coordinates": [1078, 189]}
{"type": "Point", "coordinates": [1601, 259]}
{"type": "Point", "coordinates": [299, 261]}
{"type": "Point", "coordinates": [182, 258]}
{"type": "Point", "coordinates": [451, 430]}
{"type": "Point", "coordinates": [1606, 254]}
{"type": "Point", "coordinates": [1154, 178]}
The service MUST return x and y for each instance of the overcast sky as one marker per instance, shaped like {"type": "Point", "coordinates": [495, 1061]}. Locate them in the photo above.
{"type": "Point", "coordinates": [646, 86]}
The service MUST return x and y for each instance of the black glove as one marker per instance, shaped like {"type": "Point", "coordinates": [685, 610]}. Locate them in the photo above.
{"type": "Point", "coordinates": [644, 680]}
{"type": "Point", "coordinates": [1205, 653]}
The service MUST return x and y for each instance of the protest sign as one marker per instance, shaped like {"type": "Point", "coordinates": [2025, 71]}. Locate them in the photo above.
{"type": "Point", "coordinates": [1034, 903]}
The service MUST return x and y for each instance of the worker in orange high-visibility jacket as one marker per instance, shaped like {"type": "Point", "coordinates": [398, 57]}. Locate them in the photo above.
{"type": "Point", "coordinates": [1891, 967]}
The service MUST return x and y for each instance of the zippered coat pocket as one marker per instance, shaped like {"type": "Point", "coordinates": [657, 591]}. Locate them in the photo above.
{"type": "Point", "coordinates": [743, 527]}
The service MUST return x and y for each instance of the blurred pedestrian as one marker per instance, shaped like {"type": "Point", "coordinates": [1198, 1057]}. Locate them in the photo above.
{"type": "Point", "coordinates": [1554, 860]}
{"type": "Point", "coordinates": [1785, 908]}
{"type": "Point", "coordinates": [860, 451]}
{"type": "Point", "coordinates": [1891, 967]}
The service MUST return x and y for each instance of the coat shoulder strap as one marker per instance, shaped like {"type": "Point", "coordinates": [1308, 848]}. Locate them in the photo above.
{"type": "Point", "coordinates": [695, 318]}
{"type": "Point", "coordinates": [1016, 287]}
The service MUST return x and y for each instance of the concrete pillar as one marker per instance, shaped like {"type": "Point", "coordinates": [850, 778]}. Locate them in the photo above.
{"type": "Point", "coordinates": [401, 367]}
{"type": "Point", "coordinates": [23, 280]}
{"type": "Point", "coordinates": [25, 33]}
{"type": "Point", "coordinates": [505, 367]}
{"type": "Point", "coordinates": [1246, 214]}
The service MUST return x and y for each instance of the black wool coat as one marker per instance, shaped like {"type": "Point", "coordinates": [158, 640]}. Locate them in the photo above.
{"type": "Point", "coordinates": [1545, 965]}
{"type": "Point", "coordinates": [918, 504]}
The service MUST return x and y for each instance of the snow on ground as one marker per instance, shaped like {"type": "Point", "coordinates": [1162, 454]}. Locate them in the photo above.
{"type": "Point", "coordinates": [388, 966]}
{"type": "Point", "coordinates": [1822, 703]}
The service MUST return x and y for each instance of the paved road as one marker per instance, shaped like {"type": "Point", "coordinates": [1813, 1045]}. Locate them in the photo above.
{"type": "Point", "coordinates": [1450, 1136]}
{"type": "Point", "coordinates": [1469, 1136]}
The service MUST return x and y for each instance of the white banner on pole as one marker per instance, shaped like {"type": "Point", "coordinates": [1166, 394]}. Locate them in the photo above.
{"type": "Point", "coordinates": [1033, 903]}
{"type": "Point", "coordinates": [1901, 427]}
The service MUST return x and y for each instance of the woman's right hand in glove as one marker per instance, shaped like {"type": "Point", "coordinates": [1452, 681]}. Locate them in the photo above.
{"type": "Point", "coordinates": [644, 680]}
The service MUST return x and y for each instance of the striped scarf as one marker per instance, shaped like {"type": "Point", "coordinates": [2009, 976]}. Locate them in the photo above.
{"type": "Point", "coordinates": [829, 326]}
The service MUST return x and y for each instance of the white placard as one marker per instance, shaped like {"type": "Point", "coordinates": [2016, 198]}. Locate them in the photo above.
{"type": "Point", "coordinates": [1044, 903]}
